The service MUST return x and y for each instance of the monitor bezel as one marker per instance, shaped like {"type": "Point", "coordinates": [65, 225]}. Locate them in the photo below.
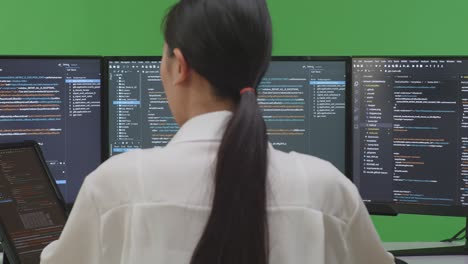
{"type": "Point", "coordinates": [391, 208]}
{"type": "Point", "coordinates": [103, 91]}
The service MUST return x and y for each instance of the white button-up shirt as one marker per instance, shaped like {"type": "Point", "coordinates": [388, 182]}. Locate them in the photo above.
{"type": "Point", "coordinates": [151, 206]}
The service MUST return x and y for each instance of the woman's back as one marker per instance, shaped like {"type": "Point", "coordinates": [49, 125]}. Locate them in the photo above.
{"type": "Point", "coordinates": [151, 206]}
{"type": "Point", "coordinates": [218, 193]}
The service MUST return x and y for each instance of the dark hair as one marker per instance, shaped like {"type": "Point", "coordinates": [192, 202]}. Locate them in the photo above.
{"type": "Point", "coordinates": [229, 43]}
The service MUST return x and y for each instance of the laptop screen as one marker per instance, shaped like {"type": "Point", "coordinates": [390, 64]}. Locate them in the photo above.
{"type": "Point", "coordinates": [30, 210]}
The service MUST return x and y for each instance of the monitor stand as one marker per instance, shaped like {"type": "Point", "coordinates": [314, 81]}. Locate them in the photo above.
{"type": "Point", "coordinates": [440, 251]}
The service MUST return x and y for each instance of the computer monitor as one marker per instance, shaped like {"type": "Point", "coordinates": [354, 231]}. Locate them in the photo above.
{"type": "Point", "coordinates": [32, 208]}
{"type": "Point", "coordinates": [55, 101]}
{"type": "Point", "coordinates": [303, 100]}
{"type": "Point", "coordinates": [410, 134]}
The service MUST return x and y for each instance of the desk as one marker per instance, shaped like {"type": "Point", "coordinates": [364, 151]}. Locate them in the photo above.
{"type": "Point", "coordinates": [413, 260]}
{"type": "Point", "coordinates": [428, 259]}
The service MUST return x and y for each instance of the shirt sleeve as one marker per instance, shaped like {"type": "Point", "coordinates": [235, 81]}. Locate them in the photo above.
{"type": "Point", "coordinates": [80, 240]}
{"type": "Point", "coordinates": [362, 240]}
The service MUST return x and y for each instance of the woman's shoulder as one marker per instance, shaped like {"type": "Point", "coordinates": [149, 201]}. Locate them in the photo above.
{"type": "Point", "coordinates": [326, 188]}
{"type": "Point", "coordinates": [122, 163]}
{"type": "Point", "coordinates": [314, 169]}
{"type": "Point", "coordinates": [118, 178]}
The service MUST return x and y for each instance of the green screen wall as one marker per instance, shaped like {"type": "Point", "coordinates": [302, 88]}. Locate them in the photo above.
{"type": "Point", "coordinates": [301, 27]}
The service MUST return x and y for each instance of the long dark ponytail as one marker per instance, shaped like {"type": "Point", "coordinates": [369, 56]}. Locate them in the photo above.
{"type": "Point", "coordinates": [229, 43]}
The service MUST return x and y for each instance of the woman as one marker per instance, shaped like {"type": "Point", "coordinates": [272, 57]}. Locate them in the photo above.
{"type": "Point", "coordinates": [218, 193]}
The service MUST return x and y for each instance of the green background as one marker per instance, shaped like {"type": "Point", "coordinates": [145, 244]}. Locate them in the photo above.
{"type": "Point", "coordinates": [301, 27]}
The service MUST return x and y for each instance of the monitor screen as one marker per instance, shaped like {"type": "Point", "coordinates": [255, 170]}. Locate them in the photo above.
{"type": "Point", "coordinates": [303, 101]}
{"type": "Point", "coordinates": [31, 213]}
{"type": "Point", "coordinates": [410, 131]}
{"type": "Point", "coordinates": [56, 102]}
{"type": "Point", "coordinates": [139, 115]}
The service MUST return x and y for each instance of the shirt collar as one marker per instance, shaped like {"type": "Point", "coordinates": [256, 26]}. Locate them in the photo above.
{"type": "Point", "coordinates": [205, 127]}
